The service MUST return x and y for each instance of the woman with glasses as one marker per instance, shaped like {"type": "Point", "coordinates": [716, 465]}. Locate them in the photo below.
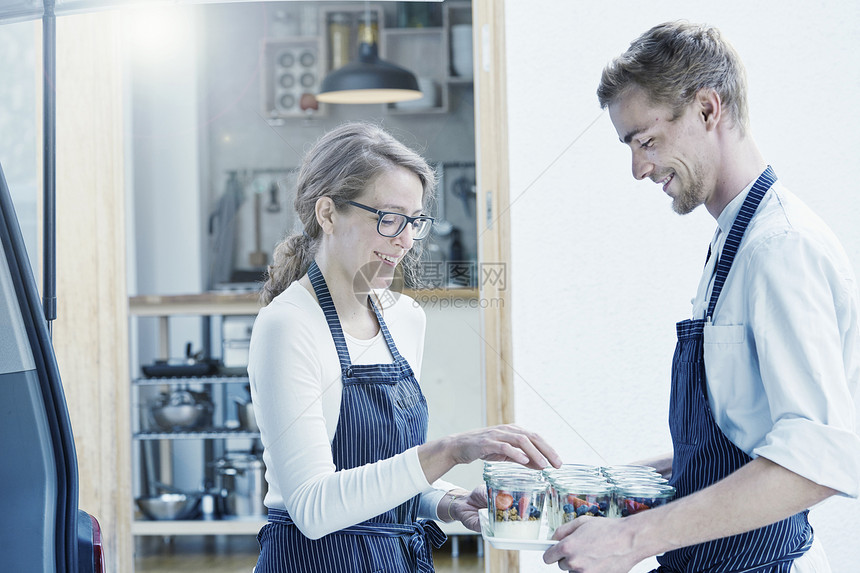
{"type": "Point", "coordinates": [333, 370]}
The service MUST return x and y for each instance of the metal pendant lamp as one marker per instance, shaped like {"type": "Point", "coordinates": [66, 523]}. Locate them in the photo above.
{"type": "Point", "coordinates": [370, 79]}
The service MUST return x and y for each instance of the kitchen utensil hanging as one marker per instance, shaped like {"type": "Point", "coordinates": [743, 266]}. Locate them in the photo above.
{"type": "Point", "coordinates": [258, 258]}
{"type": "Point", "coordinates": [463, 188]}
{"type": "Point", "coordinates": [274, 206]}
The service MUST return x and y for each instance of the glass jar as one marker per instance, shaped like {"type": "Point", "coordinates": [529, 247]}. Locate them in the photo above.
{"type": "Point", "coordinates": [644, 478]}
{"type": "Point", "coordinates": [634, 497]}
{"type": "Point", "coordinates": [577, 496]}
{"type": "Point", "coordinates": [339, 39]}
{"type": "Point", "coordinates": [497, 468]}
{"type": "Point", "coordinates": [516, 505]}
{"type": "Point", "coordinates": [584, 469]}
{"type": "Point", "coordinates": [615, 470]}
{"type": "Point", "coordinates": [368, 28]}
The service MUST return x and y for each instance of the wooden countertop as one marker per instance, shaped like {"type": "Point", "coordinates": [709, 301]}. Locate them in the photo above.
{"type": "Point", "coordinates": [245, 303]}
{"type": "Point", "coordinates": [222, 303]}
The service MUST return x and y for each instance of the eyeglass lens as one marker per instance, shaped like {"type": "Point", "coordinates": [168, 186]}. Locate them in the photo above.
{"type": "Point", "coordinates": [392, 224]}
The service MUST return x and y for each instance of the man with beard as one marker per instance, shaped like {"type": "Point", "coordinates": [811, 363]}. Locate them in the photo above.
{"type": "Point", "coordinates": [766, 368]}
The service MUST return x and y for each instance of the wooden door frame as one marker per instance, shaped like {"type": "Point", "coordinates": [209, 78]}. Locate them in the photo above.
{"type": "Point", "coordinates": [91, 329]}
{"type": "Point", "coordinates": [494, 237]}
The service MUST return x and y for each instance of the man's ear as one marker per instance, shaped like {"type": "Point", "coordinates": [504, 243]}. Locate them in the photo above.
{"type": "Point", "coordinates": [325, 213]}
{"type": "Point", "coordinates": [710, 107]}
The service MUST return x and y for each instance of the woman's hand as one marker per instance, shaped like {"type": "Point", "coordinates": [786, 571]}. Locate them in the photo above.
{"type": "Point", "coordinates": [508, 443]}
{"type": "Point", "coordinates": [464, 508]}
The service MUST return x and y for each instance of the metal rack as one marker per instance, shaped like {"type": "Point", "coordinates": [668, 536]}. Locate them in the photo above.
{"type": "Point", "coordinates": [213, 435]}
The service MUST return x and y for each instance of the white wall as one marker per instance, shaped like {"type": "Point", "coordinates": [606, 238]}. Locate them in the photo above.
{"type": "Point", "coordinates": [164, 138]}
{"type": "Point", "coordinates": [449, 375]}
{"type": "Point", "coordinates": [593, 341]}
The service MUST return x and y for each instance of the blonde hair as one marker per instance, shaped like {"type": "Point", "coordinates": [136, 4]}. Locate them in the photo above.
{"type": "Point", "coordinates": [671, 62]}
{"type": "Point", "coordinates": [340, 166]}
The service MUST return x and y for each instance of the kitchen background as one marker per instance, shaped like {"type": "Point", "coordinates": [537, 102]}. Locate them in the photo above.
{"type": "Point", "coordinates": [621, 259]}
{"type": "Point", "coordinates": [212, 145]}
{"type": "Point", "coordinates": [217, 132]}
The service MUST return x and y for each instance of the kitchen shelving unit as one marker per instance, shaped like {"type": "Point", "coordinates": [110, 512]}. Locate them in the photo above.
{"type": "Point", "coordinates": [410, 47]}
{"type": "Point", "coordinates": [205, 434]}
{"type": "Point", "coordinates": [163, 308]}
{"type": "Point", "coordinates": [222, 304]}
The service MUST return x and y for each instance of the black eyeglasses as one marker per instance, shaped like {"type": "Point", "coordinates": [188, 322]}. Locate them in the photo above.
{"type": "Point", "coordinates": [391, 224]}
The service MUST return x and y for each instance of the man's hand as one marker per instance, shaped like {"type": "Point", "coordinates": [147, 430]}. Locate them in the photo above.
{"type": "Point", "coordinates": [593, 545]}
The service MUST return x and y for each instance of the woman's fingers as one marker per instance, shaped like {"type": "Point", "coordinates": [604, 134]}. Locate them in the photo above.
{"type": "Point", "coordinates": [538, 452]}
{"type": "Point", "coordinates": [504, 443]}
{"type": "Point", "coordinates": [508, 451]}
{"type": "Point", "coordinates": [478, 496]}
{"type": "Point", "coordinates": [548, 451]}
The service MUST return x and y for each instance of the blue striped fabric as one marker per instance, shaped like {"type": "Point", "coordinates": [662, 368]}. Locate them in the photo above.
{"type": "Point", "coordinates": [415, 535]}
{"type": "Point", "coordinates": [733, 242]}
{"type": "Point", "coordinates": [382, 413]}
{"type": "Point", "coordinates": [703, 455]}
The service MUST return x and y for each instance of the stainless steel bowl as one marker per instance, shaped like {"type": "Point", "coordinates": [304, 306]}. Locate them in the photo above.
{"type": "Point", "coordinates": [181, 410]}
{"type": "Point", "coordinates": [177, 416]}
{"type": "Point", "coordinates": [169, 506]}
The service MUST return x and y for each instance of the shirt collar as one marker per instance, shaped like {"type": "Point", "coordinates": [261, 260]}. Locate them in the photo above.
{"type": "Point", "coordinates": [730, 211]}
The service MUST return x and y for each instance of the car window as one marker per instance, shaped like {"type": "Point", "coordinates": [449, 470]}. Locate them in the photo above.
{"type": "Point", "coordinates": [16, 355]}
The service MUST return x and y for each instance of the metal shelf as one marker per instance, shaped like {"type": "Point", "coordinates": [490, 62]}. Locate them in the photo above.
{"type": "Point", "coordinates": [213, 434]}
{"type": "Point", "coordinates": [243, 526]}
{"type": "Point", "coordinates": [191, 380]}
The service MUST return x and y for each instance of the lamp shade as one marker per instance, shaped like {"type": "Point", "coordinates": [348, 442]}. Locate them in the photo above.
{"type": "Point", "coordinates": [369, 80]}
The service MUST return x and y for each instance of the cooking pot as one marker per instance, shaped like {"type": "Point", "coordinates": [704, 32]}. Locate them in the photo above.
{"type": "Point", "coordinates": [245, 414]}
{"type": "Point", "coordinates": [242, 485]}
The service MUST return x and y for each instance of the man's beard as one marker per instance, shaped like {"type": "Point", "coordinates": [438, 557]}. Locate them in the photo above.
{"type": "Point", "coordinates": [692, 195]}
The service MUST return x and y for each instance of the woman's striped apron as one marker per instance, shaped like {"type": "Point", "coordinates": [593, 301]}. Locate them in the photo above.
{"type": "Point", "coordinates": [382, 413]}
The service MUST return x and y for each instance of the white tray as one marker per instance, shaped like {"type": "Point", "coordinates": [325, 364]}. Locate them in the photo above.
{"type": "Point", "coordinates": [511, 544]}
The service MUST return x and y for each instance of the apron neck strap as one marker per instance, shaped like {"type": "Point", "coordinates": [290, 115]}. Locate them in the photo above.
{"type": "Point", "coordinates": [327, 304]}
{"type": "Point", "coordinates": [330, 312]}
{"type": "Point", "coordinates": [764, 182]}
{"type": "Point", "coordinates": [382, 326]}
